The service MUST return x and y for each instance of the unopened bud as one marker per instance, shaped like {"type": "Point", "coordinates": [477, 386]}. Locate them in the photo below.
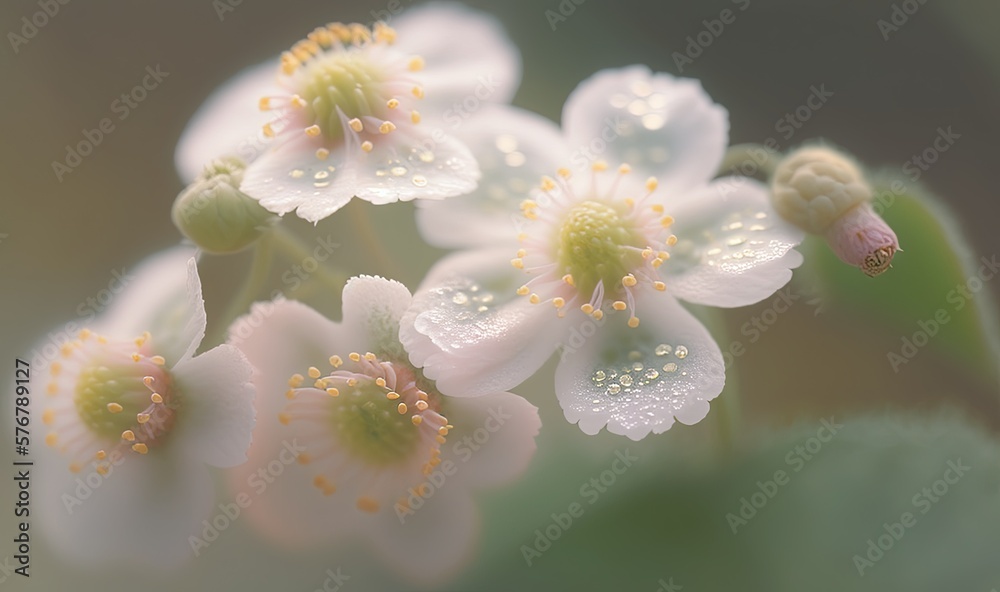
{"type": "Point", "coordinates": [216, 215]}
{"type": "Point", "coordinates": [824, 192]}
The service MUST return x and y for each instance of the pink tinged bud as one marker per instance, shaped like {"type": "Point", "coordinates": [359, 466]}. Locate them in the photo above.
{"type": "Point", "coordinates": [861, 238]}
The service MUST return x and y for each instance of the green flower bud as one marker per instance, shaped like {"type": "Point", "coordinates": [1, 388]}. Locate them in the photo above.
{"type": "Point", "coordinates": [216, 215]}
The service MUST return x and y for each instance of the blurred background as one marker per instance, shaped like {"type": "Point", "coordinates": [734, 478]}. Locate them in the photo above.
{"type": "Point", "coordinates": [663, 525]}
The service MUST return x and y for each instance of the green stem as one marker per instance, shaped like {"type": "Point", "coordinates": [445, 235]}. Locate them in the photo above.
{"type": "Point", "coordinates": [260, 267]}
{"type": "Point", "coordinates": [290, 245]}
{"type": "Point", "coordinates": [742, 156]}
{"type": "Point", "coordinates": [363, 224]}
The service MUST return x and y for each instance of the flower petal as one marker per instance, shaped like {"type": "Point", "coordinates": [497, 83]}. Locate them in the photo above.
{"type": "Point", "coordinates": [162, 296]}
{"type": "Point", "coordinates": [503, 426]}
{"type": "Point", "coordinates": [469, 330]}
{"type": "Point", "coordinates": [218, 415]}
{"type": "Point", "coordinates": [473, 59]}
{"type": "Point", "coordinates": [408, 164]}
{"type": "Point", "coordinates": [660, 125]}
{"type": "Point", "coordinates": [373, 307]}
{"type": "Point", "coordinates": [733, 249]}
{"type": "Point", "coordinates": [146, 507]}
{"type": "Point", "coordinates": [515, 148]}
{"type": "Point", "coordinates": [229, 123]}
{"type": "Point", "coordinates": [625, 379]}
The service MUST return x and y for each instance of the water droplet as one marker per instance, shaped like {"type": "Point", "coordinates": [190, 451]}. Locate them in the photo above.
{"type": "Point", "coordinates": [736, 241]}
{"type": "Point", "coordinates": [321, 184]}
{"type": "Point", "coordinates": [320, 175]}
{"type": "Point", "coordinates": [460, 298]}
{"type": "Point", "coordinates": [482, 309]}
{"type": "Point", "coordinates": [600, 375]}
{"type": "Point", "coordinates": [760, 215]}
{"type": "Point", "coordinates": [681, 352]}
{"type": "Point", "coordinates": [756, 227]}
{"type": "Point", "coordinates": [296, 173]}
{"type": "Point", "coordinates": [426, 156]}
{"type": "Point", "coordinates": [419, 180]}
{"type": "Point", "coordinates": [614, 389]}
{"type": "Point", "coordinates": [734, 226]}
{"type": "Point", "coordinates": [653, 121]}
{"type": "Point", "coordinates": [380, 173]}
{"type": "Point", "coordinates": [398, 171]}
{"type": "Point", "coordinates": [669, 367]}
{"type": "Point", "coordinates": [652, 374]}
{"type": "Point", "coordinates": [515, 159]}
{"type": "Point", "coordinates": [506, 143]}
{"type": "Point", "coordinates": [662, 349]}
{"type": "Point", "coordinates": [625, 380]}
{"type": "Point", "coordinates": [637, 366]}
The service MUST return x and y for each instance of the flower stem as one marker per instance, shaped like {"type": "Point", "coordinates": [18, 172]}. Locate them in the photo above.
{"type": "Point", "coordinates": [363, 225]}
{"type": "Point", "coordinates": [260, 267]}
{"type": "Point", "coordinates": [290, 245]}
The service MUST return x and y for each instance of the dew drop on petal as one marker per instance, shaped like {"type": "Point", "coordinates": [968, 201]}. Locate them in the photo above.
{"type": "Point", "coordinates": [614, 389]}
{"type": "Point", "coordinates": [419, 180]}
{"type": "Point", "coordinates": [662, 349]}
{"type": "Point", "coordinates": [681, 352]}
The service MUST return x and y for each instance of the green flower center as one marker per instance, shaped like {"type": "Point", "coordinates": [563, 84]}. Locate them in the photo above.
{"type": "Point", "coordinates": [112, 399]}
{"type": "Point", "coordinates": [345, 79]}
{"type": "Point", "coordinates": [597, 243]}
{"type": "Point", "coordinates": [370, 427]}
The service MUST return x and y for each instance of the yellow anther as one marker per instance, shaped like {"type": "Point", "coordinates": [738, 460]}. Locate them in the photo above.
{"type": "Point", "coordinates": [443, 431]}
{"type": "Point", "coordinates": [518, 263]}
{"type": "Point", "coordinates": [386, 127]}
{"type": "Point", "coordinates": [140, 448]}
{"type": "Point", "coordinates": [633, 322]}
{"type": "Point", "coordinates": [558, 302]}
{"type": "Point", "coordinates": [599, 166]}
{"type": "Point", "coordinates": [355, 356]}
{"type": "Point", "coordinates": [657, 208]}
{"type": "Point", "coordinates": [568, 278]}
{"type": "Point", "coordinates": [313, 130]}
{"type": "Point", "coordinates": [422, 405]}
{"type": "Point", "coordinates": [51, 438]}
{"type": "Point", "coordinates": [367, 504]}
{"type": "Point", "coordinates": [296, 380]}
{"type": "Point", "coordinates": [401, 408]}
{"type": "Point", "coordinates": [651, 184]}
{"type": "Point", "coordinates": [656, 262]}
{"type": "Point", "coordinates": [548, 184]}
{"type": "Point", "coordinates": [268, 130]}
{"type": "Point", "coordinates": [439, 440]}
{"type": "Point", "coordinates": [303, 459]}
{"type": "Point", "coordinates": [290, 394]}
{"type": "Point", "coordinates": [284, 418]}
{"type": "Point", "coordinates": [336, 361]}
{"type": "Point", "coordinates": [332, 391]}
{"type": "Point", "coordinates": [534, 299]}
{"type": "Point", "coordinates": [320, 384]}
{"type": "Point", "coordinates": [156, 398]}
{"type": "Point", "coordinates": [392, 103]}
{"type": "Point", "coordinates": [48, 416]}
{"type": "Point", "coordinates": [660, 286]}
{"type": "Point", "coordinates": [417, 419]}
{"type": "Point", "coordinates": [298, 102]}
{"type": "Point", "coordinates": [314, 372]}
{"type": "Point", "coordinates": [128, 435]}
{"type": "Point", "coordinates": [587, 309]}
{"type": "Point", "coordinates": [418, 92]}
{"type": "Point", "coordinates": [142, 417]}
{"type": "Point", "coordinates": [102, 469]}
{"type": "Point", "coordinates": [666, 221]}
{"type": "Point", "coordinates": [356, 125]}
{"type": "Point", "coordinates": [380, 381]}
{"type": "Point", "coordinates": [416, 64]}
{"type": "Point", "coordinates": [115, 408]}
{"type": "Point", "coordinates": [322, 153]}
{"type": "Point", "coordinates": [624, 169]}
{"type": "Point", "coordinates": [392, 395]}
{"type": "Point", "coordinates": [367, 146]}
{"type": "Point", "coordinates": [52, 388]}
{"type": "Point", "coordinates": [415, 116]}
{"type": "Point", "coordinates": [629, 281]}
{"type": "Point", "coordinates": [523, 291]}
{"type": "Point", "coordinates": [619, 305]}
{"type": "Point", "coordinates": [75, 468]}
{"type": "Point", "coordinates": [521, 252]}
{"type": "Point", "coordinates": [55, 368]}
{"type": "Point", "coordinates": [370, 356]}
{"type": "Point", "coordinates": [671, 240]}
{"type": "Point", "coordinates": [158, 360]}
{"type": "Point", "coordinates": [135, 357]}
{"type": "Point", "coordinates": [564, 173]}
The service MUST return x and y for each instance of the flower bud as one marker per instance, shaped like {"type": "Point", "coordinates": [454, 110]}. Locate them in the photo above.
{"type": "Point", "coordinates": [215, 214]}
{"type": "Point", "coordinates": [824, 192]}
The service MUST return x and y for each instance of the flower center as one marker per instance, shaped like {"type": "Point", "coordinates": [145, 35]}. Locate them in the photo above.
{"type": "Point", "coordinates": [596, 247]}
{"type": "Point", "coordinates": [593, 245]}
{"type": "Point", "coordinates": [372, 416]}
{"type": "Point", "coordinates": [346, 85]}
{"type": "Point", "coordinates": [121, 396]}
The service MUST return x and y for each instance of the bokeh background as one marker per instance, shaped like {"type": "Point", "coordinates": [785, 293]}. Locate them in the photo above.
{"type": "Point", "coordinates": [664, 522]}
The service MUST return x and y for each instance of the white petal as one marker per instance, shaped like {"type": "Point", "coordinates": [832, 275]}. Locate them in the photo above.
{"type": "Point", "coordinates": [515, 148]}
{"type": "Point", "coordinates": [470, 331]}
{"type": "Point", "coordinates": [163, 296]}
{"type": "Point", "coordinates": [642, 402]}
{"type": "Point", "coordinates": [372, 308]}
{"type": "Point", "coordinates": [733, 248]}
{"type": "Point", "coordinates": [503, 426]}
{"type": "Point", "coordinates": [218, 414]}
{"type": "Point", "coordinates": [408, 164]}
{"type": "Point", "coordinates": [433, 543]}
{"type": "Point", "coordinates": [145, 510]}
{"type": "Point", "coordinates": [660, 125]}
{"type": "Point", "coordinates": [229, 122]}
{"type": "Point", "coordinates": [468, 55]}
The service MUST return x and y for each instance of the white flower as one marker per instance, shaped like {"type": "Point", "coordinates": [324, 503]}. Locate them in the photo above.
{"type": "Point", "coordinates": [383, 458]}
{"type": "Point", "coordinates": [357, 112]}
{"type": "Point", "coordinates": [132, 417]}
{"type": "Point", "coordinates": [629, 241]}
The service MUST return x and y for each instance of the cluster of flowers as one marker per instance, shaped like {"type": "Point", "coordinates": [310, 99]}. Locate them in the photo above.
{"type": "Point", "coordinates": [359, 415]}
